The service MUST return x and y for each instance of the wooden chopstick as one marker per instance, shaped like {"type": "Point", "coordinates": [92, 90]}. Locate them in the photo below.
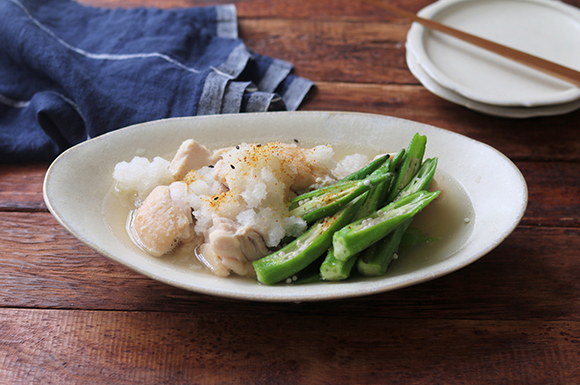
{"type": "Point", "coordinates": [556, 70]}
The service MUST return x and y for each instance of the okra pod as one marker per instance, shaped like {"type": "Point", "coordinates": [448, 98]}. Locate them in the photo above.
{"type": "Point", "coordinates": [391, 164]}
{"type": "Point", "coordinates": [333, 269]}
{"type": "Point", "coordinates": [326, 201]}
{"type": "Point", "coordinates": [421, 180]}
{"type": "Point", "coordinates": [375, 259]}
{"type": "Point", "coordinates": [412, 163]}
{"type": "Point", "coordinates": [360, 234]}
{"type": "Point", "coordinates": [365, 171]}
{"type": "Point", "coordinates": [305, 249]}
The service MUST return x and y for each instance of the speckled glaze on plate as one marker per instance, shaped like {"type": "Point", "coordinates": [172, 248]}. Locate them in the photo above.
{"type": "Point", "coordinates": [545, 28]}
{"type": "Point", "coordinates": [80, 180]}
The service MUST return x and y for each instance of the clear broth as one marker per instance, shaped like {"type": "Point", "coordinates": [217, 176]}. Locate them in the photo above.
{"type": "Point", "coordinates": [450, 219]}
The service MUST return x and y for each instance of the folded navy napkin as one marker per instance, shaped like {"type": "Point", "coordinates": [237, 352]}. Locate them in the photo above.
{"type": "Point", "coordinates": [69, 72]}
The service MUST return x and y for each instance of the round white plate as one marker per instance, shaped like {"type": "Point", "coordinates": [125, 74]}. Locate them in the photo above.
{"type": "Point", "coordinates": [545, 28]}
{"type": "Point", "coordinates": [505, 112]}
{"type": "Point", "coordinates": [77, 190]}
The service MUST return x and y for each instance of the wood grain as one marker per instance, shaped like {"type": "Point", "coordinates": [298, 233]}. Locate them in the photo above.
{"type": "Point", "coordinates": [279, 9]}
{"type": "Point", "coordinates": [52, 269]}
{"type": "Point", "coordinates": [153, 347]}
{"type": "Point", "coordinates": [353, 52]}
{"type": "Point", "coordinates": [553, 191]}
{"type": "Point", "coordinates": [70, 315]}
{"type": "Point", "coordinates": [285, 9]}
{"type": "Point", "coordinates": [21, 186]}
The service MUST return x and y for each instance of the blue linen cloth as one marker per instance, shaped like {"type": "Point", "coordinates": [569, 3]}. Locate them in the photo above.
{"type": "Point", "coordinates": [69, 72]}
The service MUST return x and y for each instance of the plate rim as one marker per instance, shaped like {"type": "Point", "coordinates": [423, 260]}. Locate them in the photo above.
{"type": "Point", "coordinates": [502, 111]}
{"type": "Point", "coordinates": [417, 32]}
{"type": "Point", "coordinates": [443, 267]}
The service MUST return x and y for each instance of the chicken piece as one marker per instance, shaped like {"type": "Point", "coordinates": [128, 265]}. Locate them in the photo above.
{"type": "Point", "coordinates": [218, 154]}
{"type": "Point", "coordinates": [164, 220]}
{"type": "Point", "coordinates": [190, 156]}
{"type": "Point", "coordinates": [233, 247]}
{"type": "Point", "coordinates": [304, 178]}
{"type": "Point", "coordinates": [209, 258]}
{"type": "Point", "coordinates": [230, 239]}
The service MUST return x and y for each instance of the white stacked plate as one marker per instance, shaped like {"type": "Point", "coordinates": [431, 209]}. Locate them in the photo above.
{"type": "Point", "coordinates": [486, 82]}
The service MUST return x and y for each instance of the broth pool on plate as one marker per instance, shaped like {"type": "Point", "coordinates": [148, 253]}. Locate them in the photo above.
{"type": "Point", "coordinates": [449, 219]}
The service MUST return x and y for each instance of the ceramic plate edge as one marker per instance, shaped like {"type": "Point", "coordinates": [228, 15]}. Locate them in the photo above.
{"type": "Point", "coordinates": [415, 37]}
{"type": "Point", "coordinates": [444, 267]}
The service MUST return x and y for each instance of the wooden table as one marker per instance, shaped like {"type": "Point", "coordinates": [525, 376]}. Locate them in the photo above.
{"type": "Point", "coordinates": [70, 315]}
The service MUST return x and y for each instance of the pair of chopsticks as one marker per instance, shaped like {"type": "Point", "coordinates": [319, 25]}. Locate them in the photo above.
{"type": "Point", "coordinates": [556, 70]}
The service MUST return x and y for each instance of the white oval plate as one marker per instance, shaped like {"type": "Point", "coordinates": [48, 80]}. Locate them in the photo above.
{"type": "Point", "coordinates": [79, 181]}
{"type": "Point", "coordinates": [489, 109]}
{"type": "Point", "coordinates": [545, 28]}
